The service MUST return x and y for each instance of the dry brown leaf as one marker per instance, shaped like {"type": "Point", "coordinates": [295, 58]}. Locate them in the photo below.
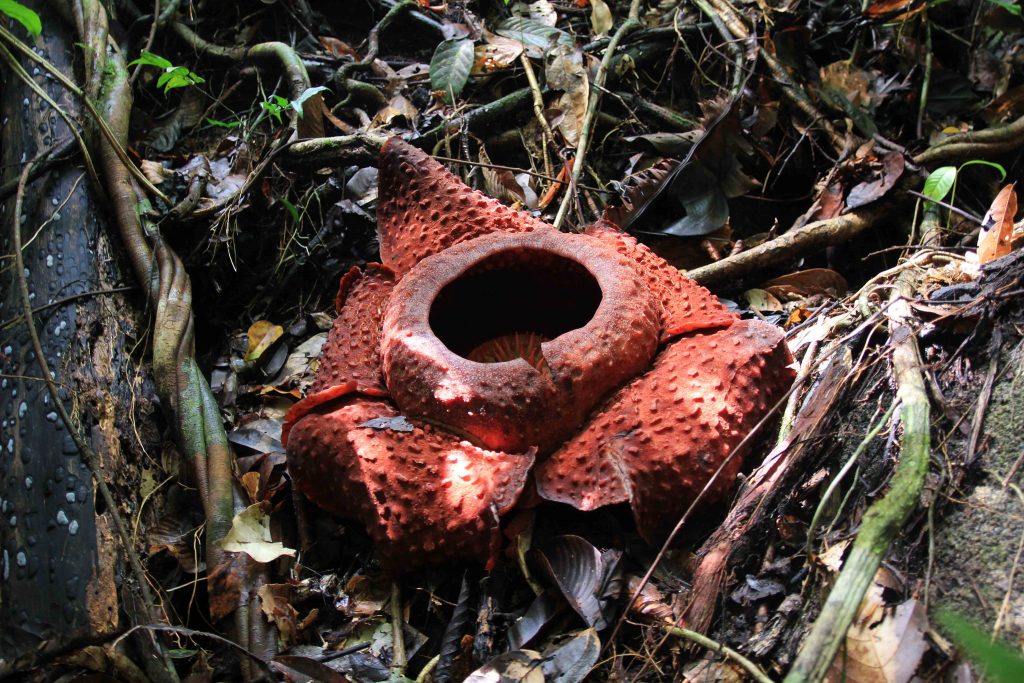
{"type": "Point", "coordinates": [849, 80]}
{"type": "Point", "coordinates": [600, 17]}
{"type": "Point", "coordinates": [495, 54]}
{"type": "Point", "coordinates": [883, 645]}
{"type": "Point", "coordinates": [275, 601]}
{"type": "Point", "coordinates": [155, 171]}
{"type": "Point", "coordinates": [566, 72]}
{"type": "Point", "coordinates": [996, 238]}
{"type": "Point", "coordinates": [762, 301]}
{"type": "Point", "coordinates": [805, 283]}
{"type": "Point", "coordinates": [338, 48]}
{"type": "Point", "coordinates": [893, 10]}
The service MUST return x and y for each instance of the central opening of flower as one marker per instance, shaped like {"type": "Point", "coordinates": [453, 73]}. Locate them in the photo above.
{"type": "Point", "coordinates": [505, 306]}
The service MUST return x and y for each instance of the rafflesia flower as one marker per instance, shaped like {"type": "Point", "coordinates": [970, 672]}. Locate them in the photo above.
{"type": "Point", "coordinates": [488, 346]}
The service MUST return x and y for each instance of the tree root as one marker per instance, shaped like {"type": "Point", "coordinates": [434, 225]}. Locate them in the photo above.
{"type": "Point", "coordinates": [886, 517]}
{"type": "Point", "coordinates": [789, 245]}
{"type": "Point", "coordinates": [981, 144]}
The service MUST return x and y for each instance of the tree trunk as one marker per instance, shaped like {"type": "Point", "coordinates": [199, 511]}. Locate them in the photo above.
{"type": "Point", "coordinates": [61, 562]}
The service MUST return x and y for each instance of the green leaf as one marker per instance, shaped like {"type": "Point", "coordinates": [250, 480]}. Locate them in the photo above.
{"type": "Point", "coordinates": [297, 103]}
{"type": "Point", "coordinates": [23, 15]}
{"type": "Point", "coordinates": [1001, 662]}
{"type": "Point", "coordinates": [1011, 7]}
{"type": "Point", "coordinates": [150, 59]}
{"type": "Point", "coordinates": [272, 109]}
{"type": "Point", "coordinates": [939, 183]}
{"type": "Point", "coordinates": [982, 162]}
{"type": "Point", "coordinates": [293, 210]}
{"type": "Point", "coordinates": [450, 67]}
{"type": "Point", "coordinates": [224, 124]}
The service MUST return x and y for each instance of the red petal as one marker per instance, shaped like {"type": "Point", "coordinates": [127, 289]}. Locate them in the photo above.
{"type": "Point", "coordinates": [687, 307]}
{"type": "Point", "coordinates": [423, 209]}
{"type": "Point", "coordinates": [515, 404]}
{"type": "Point", "coordinates": [352, 350]}
{"type": "Point", "coordinates": [657, 441]}
{"type": "Point", "coordinates": [423, 495]}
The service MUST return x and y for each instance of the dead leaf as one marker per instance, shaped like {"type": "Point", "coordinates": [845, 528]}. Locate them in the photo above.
{"type": "Point", "coordinates": [893, 10]}
{"type": "Point", "coordinates": [495, 54]}
{"type": "Point", "coordinates": [521, 666]}
{"type": "Point", "coordinates": [805, 283]}
{"type": "Point", "coordinates": [867, 192]}
{"type": "Point", "coordinates": [261, 336]}
{"type": "Point", "coordinates": [275, 601]}
{"type": "Point", "coordinates": [338, 48]}
{"type": "Point", "coordinates": [226, 582]}
{"type": "Point", "coordinates": [600, 17]}
{"type": "Point", "coordinates": [565, 72]}
{"type": "Point", "coordinates": [397, 107]}
{"type": "Point", "coordinates": [996, 238]}
{"type": "Point", "coordinates": [250, 534]}
{"type": "Point", "coordinates": [762, 301]}
{"type": "Point", "coordinates": [848, 80]}
{"type": "Point", "coordinates": [883, 645]}
{"type": "Point", "coordinates": [155, 171]}
{"type": "Point", "coordinates": [832, 558]}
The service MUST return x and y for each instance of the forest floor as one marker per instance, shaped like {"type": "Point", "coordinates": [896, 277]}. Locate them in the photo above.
{"type": "Point", "coordinates": [844, 172]}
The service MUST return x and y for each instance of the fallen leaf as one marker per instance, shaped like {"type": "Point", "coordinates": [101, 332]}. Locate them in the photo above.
{"type": "Point", "coordinates": [996, 238]}
{"type": "Point", "coordinates": [338, 48]}
{"type": "Point", "coordinates": [570, 661]}
{"type": "Point", "coordinates": [600, 17]}
{"type": "Point", "coordinates": [495, 54]}
{"type": "Point", "coordinates": [518, 666]}
{"type": "Point", "coordinates": [276, 603]}
{"type": "Point", "coordinates": [762, 301]}
{"type": "Point", "coordinates": [883, 645]}
{"type": "Point", "coordinates": [261, 336]}
{"type": "Point", "coordinates": [867, 192]}
{"type": "Point", "coordinates": [893, 10]}
{"type": "Point", "coordinates": [250, 534]}
{"type": "Point", "coordinates": [565, 72]}
{"type": "Point", "coordinates": [805, 283]}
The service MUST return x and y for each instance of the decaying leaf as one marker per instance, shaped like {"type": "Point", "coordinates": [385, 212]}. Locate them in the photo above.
{"type": "Point", "coordinates": [276, 603]}
{"type": "Point", "coordinates": [569, 661]}
{"type": "Point", "coordinates": [867, 192]}
{"type": "Point", "coordinates": [536, 37]}
{"type": "Point", "coordinates": [600, 17]}
{"type": "Point", "coordinates": [518, 666]}
{"type": "Point", "coordinates": [996, 238]}
{"type": "Point", "coordinates": [805, 283]}
{"type": "Point", "coordinates": [883, 645]}
{"type": "Point", "coordinates": [496, 53]}
{"type": "Point", "coordinates": [261, 336]}
{"type": "Point", "coordinates": [250, 534]}
{"type": "Point", "coordinates": [588, 578]}
{"type": "Point", "coordinates": [762, 300]}
{"type": "Point", "coordinates": [565, 71]}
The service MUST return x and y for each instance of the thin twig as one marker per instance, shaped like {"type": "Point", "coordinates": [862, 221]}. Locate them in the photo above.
{"type": "Point", "coordinates": [596, 92]}
{"type": "Point", "coordinates": [753, 669]}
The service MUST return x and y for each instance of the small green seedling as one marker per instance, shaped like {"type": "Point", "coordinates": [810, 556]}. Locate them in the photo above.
{"type": "Point", "coordinates": [276, 104]}
{"type": "Point", "coordinates": [172, 76]}
{"type": "Point", "coordinates": [942, 180]}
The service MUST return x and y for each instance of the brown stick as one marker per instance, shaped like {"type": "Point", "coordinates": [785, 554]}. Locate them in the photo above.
{"type": "Point", "coordinates": [788, 246]}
